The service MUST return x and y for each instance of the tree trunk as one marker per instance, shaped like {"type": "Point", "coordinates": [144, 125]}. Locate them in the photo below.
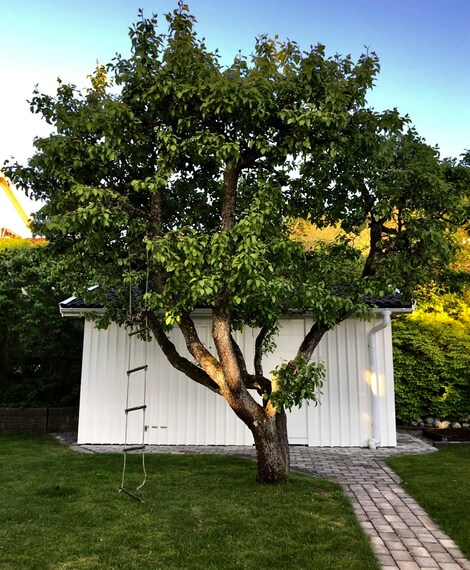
{"type": "Point", "coordinates": [272, 448]}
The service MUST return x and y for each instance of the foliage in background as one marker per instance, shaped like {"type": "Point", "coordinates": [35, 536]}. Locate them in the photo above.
{"type": "Point", "coordinates": [432, 347]}
{"type": "Point", "coordinates": [432, 368]}
{"type": "Point", "coordinates": [40, 352]}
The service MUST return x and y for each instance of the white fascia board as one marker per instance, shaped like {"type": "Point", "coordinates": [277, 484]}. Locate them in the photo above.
{"type": "Point", "coordinates": [205, 312]}
{"type": "Point", "coordinates": [396, 310]}
{"type": "Point", "coordinates": [81, 312]}
{"type": "Point", "coordinates": [76, 312]}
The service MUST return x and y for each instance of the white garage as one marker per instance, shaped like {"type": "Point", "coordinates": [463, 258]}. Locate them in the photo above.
{"type": "Point", "coordinates": [356, 408]}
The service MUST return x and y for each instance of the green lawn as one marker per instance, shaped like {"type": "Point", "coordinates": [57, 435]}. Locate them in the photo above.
{"type": "Point", "coordinates": [440, 482]}
{"type": "Point", "coordinates": [60, 510]}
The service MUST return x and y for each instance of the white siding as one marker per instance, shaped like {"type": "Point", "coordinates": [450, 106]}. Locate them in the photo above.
{"type": "Point", "coordinates": [181, 412]}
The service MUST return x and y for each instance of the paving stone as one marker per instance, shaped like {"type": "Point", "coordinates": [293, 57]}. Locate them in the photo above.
{"type": "Point", "coordinates": [406, 533]}
{"type": "Point", "coordinates": [378, 549]}
{"type": "Point", "coordinates": [420, 551]}
{"type": "Point", "coordinates": [442, 557]}
{"type": "Point", "coordinates": [448, 543]}
{"type": "Point", "coordinates": [385, 559]}
{"type": "Point", "coordinates": [426, 563]}
{"type": "Point", "coordinates": [407, 565]}
{"type": "Point", "coordinates": [425, 535]}
{"type": "Point", "coordinates": [435, 547]}
{"type": "Point", "coordinates": [399, 525]}
{"type": "Point", "coordinates": [395, 546]}
{"type": "Point", "coordinates": [383, 528]}
{"type": "Point", "coordinates": [454, 552]}
{"type": "Point", "coordinates": [400, 555]}
{"type": "Point", "coordinates": [410, 542]}
{"type": "Point", "coordinates": [393, 518]}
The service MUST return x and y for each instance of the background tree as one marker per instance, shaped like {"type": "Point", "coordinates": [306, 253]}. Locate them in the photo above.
{"type": "Point", "coordinates": [40, 352]}
{"type": "Point", "coordinates": [200, 167]}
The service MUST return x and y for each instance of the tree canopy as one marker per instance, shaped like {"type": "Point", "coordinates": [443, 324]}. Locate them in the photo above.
{"type": "Point", "coordinates": [173, 162]}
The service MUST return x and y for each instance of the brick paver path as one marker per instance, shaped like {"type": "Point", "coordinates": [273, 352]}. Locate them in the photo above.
{"type": "Point", "coordinates": [402, 534]}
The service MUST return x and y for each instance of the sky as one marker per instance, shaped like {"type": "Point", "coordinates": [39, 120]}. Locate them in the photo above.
{"type": "Point", "coordinates": [423, 46]}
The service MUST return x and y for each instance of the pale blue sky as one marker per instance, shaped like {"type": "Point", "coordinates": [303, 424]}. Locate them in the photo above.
{"type": "Point", "coordinates": [424, 47]}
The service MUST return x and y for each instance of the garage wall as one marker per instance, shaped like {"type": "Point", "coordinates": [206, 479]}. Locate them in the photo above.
{"type": "Point", "coordinates": [180, 412]}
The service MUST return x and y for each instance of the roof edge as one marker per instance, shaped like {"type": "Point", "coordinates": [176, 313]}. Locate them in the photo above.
{"type": "Point", "coordinates": [81, 312]}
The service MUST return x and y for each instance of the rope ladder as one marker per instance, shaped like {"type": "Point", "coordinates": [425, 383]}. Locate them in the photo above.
{"type": "Point", "coordinates": [142, 329]}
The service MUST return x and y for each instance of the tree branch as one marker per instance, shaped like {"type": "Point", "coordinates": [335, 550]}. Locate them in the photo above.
{"type": "Point", "coordinates": [263, 333]}
{"type": "Point", "coordinates": [234, 390]}
{"type": "Point", "coordinates": [156, 211]}
{"type": "Point", "coordinates": [197, 349]}
{"type": "Point", "coordinates": [229, 197]}
{"type": "Point", "coordinates": [222, 335]}
{"type": "Point", "coordinates": [259, 383]}
{"type": "Point", "coordinates": [253, 381]}
{"type": "Point", "coordinates": [239, 356]}
{"type": "Point", "coordinates": [129, 208]}
{"type": "Point", "coordinates": [311, 340]}
{"type": "Point", "coordinates": [374, 252]}
{"type": "Point", "coordinates": [176, 360]}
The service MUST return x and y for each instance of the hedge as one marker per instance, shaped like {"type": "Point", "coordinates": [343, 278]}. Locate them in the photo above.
{"type": "Point", "coordinates": [432, 367]}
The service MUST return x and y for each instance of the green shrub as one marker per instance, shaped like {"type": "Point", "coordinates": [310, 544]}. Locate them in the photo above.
{"type": "Point", "coordinates": [40, 352]}
{"type": "Point", "coordinates": [432, 366]}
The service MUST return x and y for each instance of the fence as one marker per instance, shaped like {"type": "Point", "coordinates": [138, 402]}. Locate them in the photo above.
{"type": "Point", "coordinates": [38, 420]}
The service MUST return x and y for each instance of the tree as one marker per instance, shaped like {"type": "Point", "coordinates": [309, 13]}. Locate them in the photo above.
{"type": "Point", "coordinates": [195, 170]}
{"type": "Point", "coordinates": [40, 352]}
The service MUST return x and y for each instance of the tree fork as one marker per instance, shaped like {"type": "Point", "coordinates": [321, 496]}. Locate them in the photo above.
{"type": "Point", "coordinates": [176, 360]}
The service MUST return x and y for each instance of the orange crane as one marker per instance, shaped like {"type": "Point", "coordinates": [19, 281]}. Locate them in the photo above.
{"type": "Point", "coordinates": [4, 183]}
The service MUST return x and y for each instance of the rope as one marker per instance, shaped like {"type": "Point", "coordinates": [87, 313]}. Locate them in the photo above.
{"type": "Point", "coordinates": [144, 400]}
{"type": "Point", "coordinates": [145, 370]}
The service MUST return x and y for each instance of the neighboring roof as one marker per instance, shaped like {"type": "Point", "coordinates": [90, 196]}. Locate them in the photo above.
{"type": "Point", "coordinates": [74, 306]}
{"type": "Point", "coordinates": [14, 222]}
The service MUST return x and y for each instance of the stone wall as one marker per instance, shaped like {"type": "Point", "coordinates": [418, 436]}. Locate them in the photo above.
{"type": "Point", "coordinates": [430, 422]}
{"type": "Point", "coordinates": [38, 420]}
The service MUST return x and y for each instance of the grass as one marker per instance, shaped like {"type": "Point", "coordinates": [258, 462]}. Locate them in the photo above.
{"type": "Point", "coordinates": [440, 483]}
{"type": "Point", "coordinates": [60, 510]}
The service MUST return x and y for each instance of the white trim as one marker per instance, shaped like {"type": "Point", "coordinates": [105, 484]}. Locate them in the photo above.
{"type": "Point", "coordinates": [202, 312]}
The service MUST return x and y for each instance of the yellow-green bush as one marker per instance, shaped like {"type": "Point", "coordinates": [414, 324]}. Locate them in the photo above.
{"type": "Point", "coordinates": [432, 360]}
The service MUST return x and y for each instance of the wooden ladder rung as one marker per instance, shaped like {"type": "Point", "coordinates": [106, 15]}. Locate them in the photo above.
{"type": "Point", "coordinates": [133, 448]}
{"type": "Point", "coordinates": [134, 408]}
{"type": "Point", "coordinates": [125, 491]}
{"type": "Point", "coordinates": [132, 370]}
